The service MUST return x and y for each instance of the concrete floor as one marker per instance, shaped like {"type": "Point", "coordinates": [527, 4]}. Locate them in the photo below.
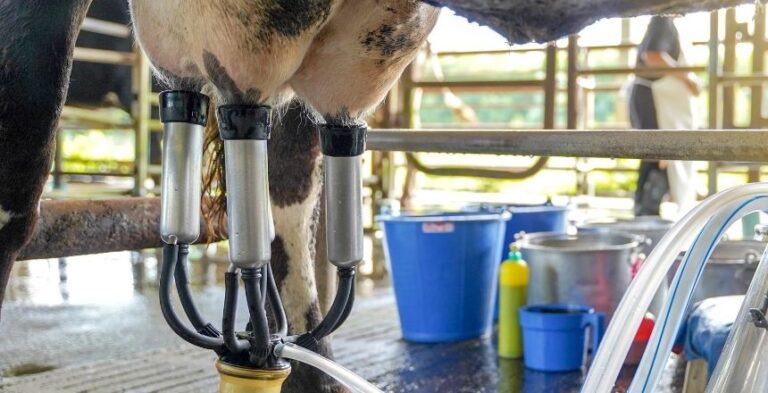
{"type": "Point", "coordinates": [64, 324]}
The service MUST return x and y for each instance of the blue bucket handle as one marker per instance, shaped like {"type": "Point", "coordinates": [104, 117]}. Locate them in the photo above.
{"type": "Point", "coordinates": [596, 322]}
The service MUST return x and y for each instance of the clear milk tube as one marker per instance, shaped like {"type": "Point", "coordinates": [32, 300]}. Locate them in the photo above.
{"type": "Point", "coordinates": [618, 338]}
{"type": "Point", "coordinates": [681, 290]}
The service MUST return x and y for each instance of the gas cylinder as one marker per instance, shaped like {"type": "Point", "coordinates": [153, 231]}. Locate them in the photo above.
{"type": "Point", "coordinates": [513, 284]}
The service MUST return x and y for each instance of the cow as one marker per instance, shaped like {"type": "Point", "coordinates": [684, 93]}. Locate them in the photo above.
{"type": "Point", "coordinates": [312, 61]}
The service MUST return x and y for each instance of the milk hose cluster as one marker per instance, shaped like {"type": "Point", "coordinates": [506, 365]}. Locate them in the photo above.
{"type": "Point", "coordinates": [245, 130]}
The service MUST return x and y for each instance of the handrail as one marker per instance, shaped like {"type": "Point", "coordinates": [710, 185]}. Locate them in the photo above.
{"type": "Point", "coordinates": [703, 145]}
{"type": "Point", "coordinates": [635, 70]}
{"type": "Point", "coordinates": [537, 83]}
{"type": "Point", "coordinates": [543, 48]}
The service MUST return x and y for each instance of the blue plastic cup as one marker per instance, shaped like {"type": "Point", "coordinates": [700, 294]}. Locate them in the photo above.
{"type": "Point", "coordinates": [554, 336]}
{"type": "Point", "coordinates": [444, 271]}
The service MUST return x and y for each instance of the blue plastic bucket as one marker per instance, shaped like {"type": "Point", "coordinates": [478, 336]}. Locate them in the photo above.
{"type": "Point", "coordinates": [445, 272]}
{"type": "Point", "coordinates": [554, 335]}
{"type": "Point", "coordinates": [529, 219]}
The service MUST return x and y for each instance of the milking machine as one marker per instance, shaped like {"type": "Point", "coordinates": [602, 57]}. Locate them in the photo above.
{"type": "Point", "coordinates": [253, 359]}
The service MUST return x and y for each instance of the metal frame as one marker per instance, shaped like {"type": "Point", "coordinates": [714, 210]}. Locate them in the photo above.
{"type": "Point", "coordinates": [141, 215]}
{"type": "Point", "coordinates": [69, 227]}
{"type": "Point", "coordinates": [725, 81]}
{"type": "Point", "coordinates": [140, 108]}
{"type": "Point", "coordinates": [721, 87]}
{"type": "Point", "coordinates": [141, 111]}
{"type": "Point", "coordinates": [702, 145]}
{"type": "Point", "coordinates": [548, 84]}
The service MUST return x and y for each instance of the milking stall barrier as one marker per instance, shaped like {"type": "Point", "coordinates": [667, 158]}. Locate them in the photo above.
{"type": "Point", "coordinates": [367, 339]}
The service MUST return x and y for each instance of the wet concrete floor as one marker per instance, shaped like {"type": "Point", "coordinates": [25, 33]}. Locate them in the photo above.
{"type": "Point", "coordinates": [97, 310]}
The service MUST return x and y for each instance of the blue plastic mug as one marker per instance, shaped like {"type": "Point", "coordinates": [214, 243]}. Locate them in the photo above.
{"type": "Point", "coordinates": [554, 335]}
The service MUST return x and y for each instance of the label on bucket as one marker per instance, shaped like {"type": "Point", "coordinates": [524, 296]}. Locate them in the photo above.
{"type": "Point", "coordinates": [437, 227]}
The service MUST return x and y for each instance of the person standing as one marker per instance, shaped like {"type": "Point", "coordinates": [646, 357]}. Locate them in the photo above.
{"type": "Point", "coordinates": [663, 100]}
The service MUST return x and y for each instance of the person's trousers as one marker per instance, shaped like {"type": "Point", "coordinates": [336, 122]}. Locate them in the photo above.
{"type": "Point", "coordinates": [652, 185]}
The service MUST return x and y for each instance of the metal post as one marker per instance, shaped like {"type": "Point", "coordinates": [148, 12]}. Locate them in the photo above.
{"type": "Point", "coordinates": [626, 30]}
{"type": "Point", "coordinates": [714, 91]}
{"type": "Point", "coordinates": [573, 111]}
{"type": "Point", "coordinates": [57, 162]}
{"type": "Point", "coordinates": [729, 66]}
{"type": "Point", "coordinates": [573, 93]}
{"type": "Point", "coordinates": [550, 86]}
{"type": "Point", "coordinates": [141, 112]}
{"type": "Point", "coordinates": [407, 82]}
{"type": "Point", "coordinates": [408, 117]}
{"type": "Point", "coordinates": [758, 55]}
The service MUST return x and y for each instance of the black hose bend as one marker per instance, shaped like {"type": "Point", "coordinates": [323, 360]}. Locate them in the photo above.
{"type": "Point", "coordinates": [235, 345]}
{"type": "Point", "coordinates": [336, 313]}
{"type": "Point", "coordinates": [185, 295]}
{"type": "Point", "coordinates": [273, 295]}
{"type": "Point", "coordinates": [170, 258]}
{"type": "Point", "coordinates": [347, 310]}
{"type": "Point", "coordinates": [264, 284]}
{"type": "Point", "coordinates": [260, 337]}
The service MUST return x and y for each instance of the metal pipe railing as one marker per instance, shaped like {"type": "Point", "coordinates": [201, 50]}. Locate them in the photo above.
{"type": "Point", "coordinates": [131, 223]}
{"type": "Point", "coordinates": [479, 85]}
{"type": "Point", "coordinates": [543, 48]}
{"type": "Point", "coordinates": [636, 70]}
{"type": "Point", "coordinates": [703, 145]}
{"type": "Point", "coordinates": [104, 27]}
{"type": "Point", "coordinates": [68, 228]}
{"type": "Point", "coordinates": [103, 56]}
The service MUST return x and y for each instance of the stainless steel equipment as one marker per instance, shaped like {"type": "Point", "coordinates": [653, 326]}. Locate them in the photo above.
{"type": "Point", "coordinates": [184, 117]}
{"type": "Point", "coordinates": [588, 268]}
{"type": "Point", "coordinates": [344, 207]}
{"type": "Point", "coordinates": [742, 366]}
{"type": "Point", "coordinates": [248, 206]}
{"type": "Point", "coordinates": [728, 271]}
{"type": "Point", "coordinates": [651, 228]}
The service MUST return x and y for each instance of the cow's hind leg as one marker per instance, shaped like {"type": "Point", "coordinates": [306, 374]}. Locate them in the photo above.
{"type": "Point", "coordinates": [35, 62]}
{"type": "Point", "coordinates": [295, 188]}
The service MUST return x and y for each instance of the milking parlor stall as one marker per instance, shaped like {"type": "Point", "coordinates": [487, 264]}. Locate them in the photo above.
{"type": "Point", "coordinates": [383, 196]}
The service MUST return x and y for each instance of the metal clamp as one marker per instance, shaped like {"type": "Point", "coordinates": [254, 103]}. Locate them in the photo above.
{"type": "Point", "coordinates": [761, 232]}
{"type": "Point", "coordinates": [758, 315]}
